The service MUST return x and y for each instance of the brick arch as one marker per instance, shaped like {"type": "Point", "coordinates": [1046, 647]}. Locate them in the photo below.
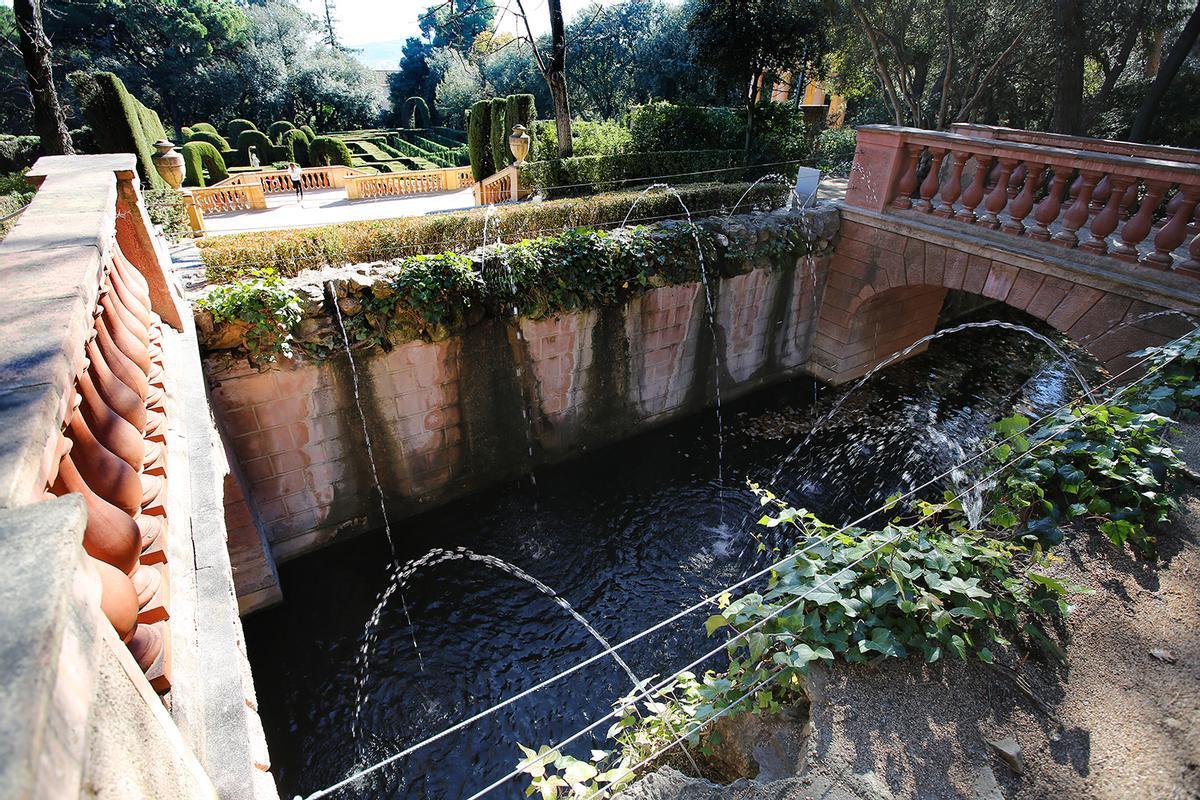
{"type": "Point", "coordinates": [885, 290]}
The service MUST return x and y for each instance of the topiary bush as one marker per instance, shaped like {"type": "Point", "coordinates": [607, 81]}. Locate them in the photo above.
{"type": "Point", "coordinates": [205, 126]}
{"type": "Point", "coordinates": [18, 152]}
{"type": "Point", "coordinates": [185, 132]}
{"type": "Point", "coordinates": [603, 138]}
{"type": "Point", "coordinates": [199, 156]}
{"type": "Point", "coordinates": [587, 174]}
{"type": "Point", "coordinates": [83, 139]}
{"type": "Point", "coordinates": [309, 132]}
{"type": "Point", "coordinates": [479, 142]}
{"type": "Point", "coordinates": [261, 144]}
{"type": "Point", "coordinates": [297, 141]}
{"type": "Point", "coordinates": [498, 135]}
{"type": "Point", "coordinates": [118, 120]}
{"type": "Point", "coordinates": [327, 151]}
{"type": "Point", "coordinates": [236, 126]}
{"type": "Point", "coordinates": [415, 113]}
{"type": "Point", "coordinates": [520, 110]}
{"type": "Point", "coordinates": [215, 139]}
{"type": "Point", "coordinates": [278, 129]}
{"type": "Point", "coordinates": [290, 251]}
{"type": "Point", "coordinates": [665, 126]}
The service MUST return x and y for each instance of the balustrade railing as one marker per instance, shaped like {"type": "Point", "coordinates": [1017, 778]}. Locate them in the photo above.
{"type": "Point", "coordinates": [500, 187]}
{"type": "Point", "coordinates": [223, 199]}
{"type": "Point", "coordinates": [1068, 142]}
{"type": "Point", "coordinates": [397, 184]}
{"type": "Point", "coordinates": [278, 181]}
{"type": "Point", "coordinates": [1135, 209]}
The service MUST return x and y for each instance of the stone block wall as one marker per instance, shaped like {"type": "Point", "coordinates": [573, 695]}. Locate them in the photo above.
{"type": "Point", "coordinates": [449, 417]}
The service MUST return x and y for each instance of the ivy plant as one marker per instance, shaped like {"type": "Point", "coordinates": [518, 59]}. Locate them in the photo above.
{"type": "Point", "coordinates": [265, 306]}
{"type": "Point", "coordinates": [1173, 384]}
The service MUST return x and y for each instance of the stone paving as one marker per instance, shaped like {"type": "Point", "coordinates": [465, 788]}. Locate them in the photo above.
{"type": "Point", "coordinates": [326, 206]}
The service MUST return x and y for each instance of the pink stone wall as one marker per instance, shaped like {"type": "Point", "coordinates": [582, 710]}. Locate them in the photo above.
{"type": "Point", "coordinates": [298, 436]}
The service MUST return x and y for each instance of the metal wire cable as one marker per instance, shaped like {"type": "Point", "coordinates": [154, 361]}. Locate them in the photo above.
{"type": "Point", "coordinates": [713, 597]}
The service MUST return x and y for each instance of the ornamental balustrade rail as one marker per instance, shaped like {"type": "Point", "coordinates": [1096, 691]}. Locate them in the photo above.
{"type": "Point", "coordinates": [501, 187]}
{"type": "Point", "coordinates": [398, 184]}
{"type": "Point", "coordinates": [1133, 208]}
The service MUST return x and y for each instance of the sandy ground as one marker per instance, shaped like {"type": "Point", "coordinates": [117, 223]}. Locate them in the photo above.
{"type": "Point", "coordinates": [1121, 720]}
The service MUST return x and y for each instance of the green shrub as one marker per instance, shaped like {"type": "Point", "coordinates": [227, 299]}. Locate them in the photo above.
{"type": "Point", "coordinates": [459, 137]}
{"type": "Point", "coordinates": [233, 158]}
{"type": "Point", "coordinates": [586, 174]}
{"type": "Point", "coordinates": [1173, 387]}
{"type": "Point", "coordinates": [118, 120]}
{"type": "Point", "coordinates": [497, 135]}
{"type": "Point", "coordinates": [479, 139]}
{"type": "Point", "coordinates": [83, 139]}
{"type": "Point", "coordinates": [268, 308]}
{"type": "Point", "coordinates": [278, 129]}
{"type": "Point", "coordinates": [261, 144]}
{"type": "Point", "coordinates": [205, 126]}
{"type": "Point", "coordinates": [604, 138]}
{"type": "Point", "coordinates": [290, 251]}
{"type": "Point", "coordinates": [834, 150]}
{"type": "Point", "coordinates": [185, 132]}
{"type": "Point", "coordinates": [308, 131]}
{"type": "Point", "coordinates": [237, 126]}
{"type": "Point", "coordinates": [780, 134]}
{"type": "Point", "coordinates": [199, 156]}
{"type": "Point", "coordinates": [18, 152]}
{"type": "Point", "coordinates": [298, 142]}
{"type": "Point", "coordinates": [326, 151]}
{"type": "Point", "coordinates": [215, 139]}
{"type": "Point", "coordinates": [665, 126]}
{"type": "Point", "coordinates": [415, 113]}
{"type": "Point", "coordinates": [521, 111]}
{"type": "Point", "coordinates": [165, 207]}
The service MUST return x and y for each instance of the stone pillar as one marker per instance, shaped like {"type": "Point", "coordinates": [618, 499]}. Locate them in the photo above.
{"type": "Point", "coordinates": [879, 158]}
{"type": "Point", "coordinates": [195, 213]}
{"type": "Point", "coordinates": [136, 237]}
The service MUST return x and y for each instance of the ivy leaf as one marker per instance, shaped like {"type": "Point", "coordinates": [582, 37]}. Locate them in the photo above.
{"type": "Point", "coordinates": [714, 623]}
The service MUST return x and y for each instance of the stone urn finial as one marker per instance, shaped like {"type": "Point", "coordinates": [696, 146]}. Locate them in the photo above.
{"type": "Point", "coordinates": [518, 143]}
{"type": "Point", "coordinates": [168, 162]}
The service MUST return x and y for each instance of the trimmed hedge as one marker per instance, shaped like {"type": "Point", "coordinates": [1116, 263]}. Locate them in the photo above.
{"type": "Point", "coordinates": [459, 137]}
{"type": "Point", "coordinates": [309, 132]}
{"type": "Point", "coordinates": [185, 131]}
{"type": "Point", "coordinates": [297, 140]}
{"type": "Point", "coordinates": [261, 144]}
{"type": "Point", "coordinates": [587, 174]}
{"type": "Point", "coordinates": [415, 113]}
{"type": "Point", "coordinates": [236, 126]}
{"type": "Point", "coordinates": [479, 141]}
{"type": "Point", "coordinates": [326, 151]}
{"type": "Point", "coordinates": [228, 258]}
{"type": "Point", "coordinates": [520, 111]}
{"type": "Point", "coordinates": [83, 139]}
{"type": "Point", "coordinates": [200, 155]}
{"type": "Point", "coordinates": [279, 128]}
{"type": "Point", "coordinates": [205, 126]}
{"type": "Point", "coordinates": [215, 139]}
{"type": "Point", "coordinates": [665, 126]}
{"type": "Point", "coordinates": [498, 135]}
{"type": "Point", "coordinates": [118, 120]}
{"type": "Point", "coordinates": [18, 152]}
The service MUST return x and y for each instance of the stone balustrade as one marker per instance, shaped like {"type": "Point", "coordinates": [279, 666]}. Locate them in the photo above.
{"type": "Point", "coordinates": [396, 184]}
{"type": "Point", "coordinates": [1128, 207]}
{"type": "Point", "coordinates": [96, 505]}
{"type": "Point", "coordinates": [277, 181]}
{"type": "Point", "coordinates": [501, 187]}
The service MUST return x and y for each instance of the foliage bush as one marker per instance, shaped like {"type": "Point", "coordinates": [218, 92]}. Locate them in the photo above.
{"type": "Point", "coordinates": [327, 151]}
{"type": "Point", "coordinates": [228, 258]}
{"type": "Point", "coordinates": [237, 126]}
{"type": "Point", "coordinates": [666, 126]}
{"type": "Point", "coordinates": [204, 126]}
{"type": "Point", "coordinates": [586, 174]}
{"type": "Point", "coordinates": [185, 131]}
{"type": "Point", "coordinates": [214, 139]}
{"type": "Point", "coordinates": [18, 152]}
{"type": "Point", "coordinates": [118, 120]}
{"type": "Point", "coordinates": [479, 139]}
{"type": "Point", "coordinates": [780, 134]}
{"type": "Point", "coordinates": [1175, 382]}
{"type": "Point", "coordinates": [415, 113]}
{"type": "Point", "coordinates": [298, 142]}
{"type": "Point", "coordinates": [603, 138]}
{"type": "Point", "coordinates": [497, 135]}
{"type": "Point", "coordinates": [165, 207]}
{"type": "Point", "coordinates": [199, 156]}
{"type": "Point", "coordinates": [834, 150]}
{"type": "Point", "coordinates": [278, 129]}
{"type": "Point", "coordinates": [267, 308]}
{"type": "Point", "coordinates": [260, 142]}
{"type": "Point", "coordinates": [521, 111]}
{"type": "Point", "coordinates": [309, 132]}
{"type": "Point", "coordinates": [83, 139]}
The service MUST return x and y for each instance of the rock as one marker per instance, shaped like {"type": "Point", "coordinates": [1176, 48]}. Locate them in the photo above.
{"type": "Point", "coordinates": [309, 329]}
{"type": "Point", "coordinates": [350, 305]}
{"type": "Point", "coordinates": [1174, 724]}
{"type": "Point", "coordinates": [382, 287]}
{"type": "Point", "coordinates": [227, 336]}
{"type": "Point", "coordinates": [1009, 752]}
{"type": "Point", "coordinates": [312, 299]}
{"type": "Point", "coordinates": [1165, 656]}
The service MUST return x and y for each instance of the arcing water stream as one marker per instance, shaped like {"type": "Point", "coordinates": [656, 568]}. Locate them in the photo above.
{"type": "Point", "coordinates": [627, 535]}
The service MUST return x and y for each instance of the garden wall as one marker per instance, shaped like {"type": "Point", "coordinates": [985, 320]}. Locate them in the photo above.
{"type": "Point", "coordinates": [449, 417]}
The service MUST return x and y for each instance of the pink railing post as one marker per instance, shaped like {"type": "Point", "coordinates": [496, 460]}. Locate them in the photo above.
{"type": "Point", "coordinates": [929, 186]}
{"type": "Point", "coordinates": [974, 193]}
{"type": "Point", "coordinates": [998, 198]}
{"type": "Point", "coordinates": [1138, 226]}
{"type": "Point", "coordinates": [1105, 222]}
{"type": "Point", "coordinates": [1047, 210]}
{"type": "Point", "coordinates": [1022, 204]}
{"type": "Point", "coordinates": [953, 186]}
{"type": "Point", "coordinates": [908, 177]}
{"type": "Point", "coordinates": [1171, 235]}
{"type": "Point", "coordinates": [1077, 214]}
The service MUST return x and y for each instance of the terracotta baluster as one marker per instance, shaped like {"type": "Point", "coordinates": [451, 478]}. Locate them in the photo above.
{"type": "Point", "coordinates": [974, 193]}
{"type": "Point", "coordinates": [118, 362]}
{"type": "Point", "coordinates": [953, 186]}
{"type": "Point", "coordinates": [110, 301]}
{"type": "Point", "coordinates": [115, 394]}
{"type": "Point", "coordinates": [929, 186]}
{"type": "Point", "coordinates": [997, 199]}
{"type": "Point", "coordinates": [1131, 196]}
{"type": "Point", "coordinates": [106, 474]}
{"type": "Point", "coordinates": [1173, 234]}
{"type": "Point", "coordinates": [128, 297]}
{"type": "Point", "coordinates": [146, 646]}
{"type": "Point", "coordinates": [1077, 214]}
{"type": "Point", "coordinates": [146, 582]}
{"type": "Point", "coordinates": [1100, 194]}
{"type": "Point", "coordinates": [1106, 221]}
{"type": "Point", "coordinates": [1134, 231]}
{"type": "Point", "coordinates": [131, 344]}
{"type": "Point", "coordinates": [1047, 210]}
{"type": "Point", "coordinates": [133, 277]}
{"type": "Point", "coordinates": [1022, 204]}
{"type": "Point", "coordinates": [118, 599]}
{"type": "Point", "coordinates": [908, 177]}
{"type": "Point", "coordinates": [1016, 180]}
{"type": "Point", "coordinates": [113, 430]}
{"type": "Point", "coordinates": [111, 535]}
{"type": "Point", "coordinates": [1192, 265]}
{"type": "Point", "coordinates": [1076, 185]}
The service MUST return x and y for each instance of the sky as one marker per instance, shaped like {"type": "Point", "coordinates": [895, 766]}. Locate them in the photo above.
{"type": "Point", "coordinates": [378, 28]}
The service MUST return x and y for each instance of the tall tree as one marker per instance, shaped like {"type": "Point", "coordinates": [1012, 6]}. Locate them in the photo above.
{"type": "Point", "coordinates": [1068, 84]}
{"type": "Point", "coordinates": [48, 118]}
{"type": "Point", "coordinates": [553, 67]}
{"type": "Point", "coordinates": [1166, 73]}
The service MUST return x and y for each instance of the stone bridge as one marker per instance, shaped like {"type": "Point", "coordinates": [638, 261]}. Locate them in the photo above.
{"type": "Point", "coordinates": [1097, 238]}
